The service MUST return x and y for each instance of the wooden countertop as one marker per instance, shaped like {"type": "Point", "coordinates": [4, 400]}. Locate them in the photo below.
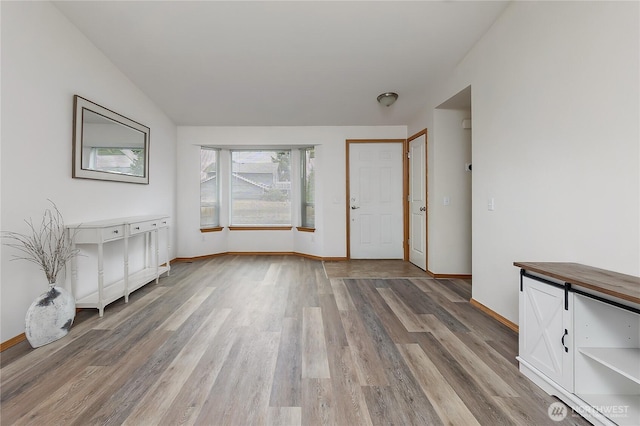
{"type": "Point", "coordinates": [626, 287]}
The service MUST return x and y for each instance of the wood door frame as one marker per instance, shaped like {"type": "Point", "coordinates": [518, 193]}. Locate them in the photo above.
{"type": "Point", "coordinates": [405, 190]}
{"type": "Point", "coordinates": [426, 186]}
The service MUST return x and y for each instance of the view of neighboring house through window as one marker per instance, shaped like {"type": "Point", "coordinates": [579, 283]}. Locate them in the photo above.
{"type": "Point", "coordinates": [209, 188]}
{"type": "Point", "coordinates": [261, 188]}
{"type": "Point", "coordinates": [126, 161]}
{"type": "Point", "coordinates": [307, 157]}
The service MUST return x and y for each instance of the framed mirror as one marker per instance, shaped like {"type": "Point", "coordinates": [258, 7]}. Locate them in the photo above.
{"type": "Point", "coordinates": [107, 145]}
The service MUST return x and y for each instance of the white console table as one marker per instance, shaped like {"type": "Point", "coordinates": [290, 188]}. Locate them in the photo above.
{"type": "Point", "coordinates": [107, 231]}
{"type": "Point", "coordinates": [580, 338]}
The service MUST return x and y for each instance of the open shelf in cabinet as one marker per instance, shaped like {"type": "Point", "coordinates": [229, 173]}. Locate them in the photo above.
{"type": "Point", "coordinates": [625, 361]}
{"type": "Point", "coordinates": [607, 341]}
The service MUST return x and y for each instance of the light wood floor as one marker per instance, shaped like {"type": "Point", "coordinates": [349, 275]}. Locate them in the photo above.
{"type": "Point", "coordinates": [270, 340]}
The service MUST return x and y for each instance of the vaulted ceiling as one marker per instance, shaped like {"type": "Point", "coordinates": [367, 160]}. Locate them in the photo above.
{"type": "Point", "coordinates": [288, 63]}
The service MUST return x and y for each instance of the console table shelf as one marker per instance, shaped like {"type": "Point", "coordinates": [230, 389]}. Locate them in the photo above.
{"type": "Point", "coordinates": [122, 229]}
{"type": "Point", "coordinates": [115, 291]}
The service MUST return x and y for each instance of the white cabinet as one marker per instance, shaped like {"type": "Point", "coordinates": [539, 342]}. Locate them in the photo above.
{"type": "Point", "coordinates": [545, 321]}
{"type": "Point", "coordinates": [580, 338]}
{"type": "Point", "coordinates": [121, 230]}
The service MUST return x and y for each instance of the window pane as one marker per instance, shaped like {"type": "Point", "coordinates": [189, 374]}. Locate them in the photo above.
{"type": "Point", "coordinates": [261, 187]}
{"type": "Point", "coordinates": [308, 187]}
{"type": "Point", "coordinates": [209, 192]}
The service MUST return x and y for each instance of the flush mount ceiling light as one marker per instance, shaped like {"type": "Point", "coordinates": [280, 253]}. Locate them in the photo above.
{"type": "Point", "coordinates": [388, 98]}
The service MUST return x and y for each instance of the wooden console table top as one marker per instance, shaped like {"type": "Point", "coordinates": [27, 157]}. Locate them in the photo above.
{"type": "Point", "coordinates": [622, 286]}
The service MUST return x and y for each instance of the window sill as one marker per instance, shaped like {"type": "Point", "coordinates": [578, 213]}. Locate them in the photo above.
{"type": "Point", "coordinates": [213, 229]}
{"type": "Point", "coordinates": [305, 229]}
{"type": "Point", "coordinates": [260, 228]}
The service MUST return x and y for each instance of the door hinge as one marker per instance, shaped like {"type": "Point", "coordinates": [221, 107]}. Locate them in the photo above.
{"type": "Point", "coordinates": [408, 154]}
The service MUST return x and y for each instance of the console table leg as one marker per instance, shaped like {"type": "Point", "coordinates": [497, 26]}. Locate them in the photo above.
{"type": "Point", "coordinates": [100, 278]}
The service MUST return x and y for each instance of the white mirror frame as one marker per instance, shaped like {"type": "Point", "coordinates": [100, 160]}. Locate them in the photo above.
{"type": "Point", "coordinates": [79, 106]}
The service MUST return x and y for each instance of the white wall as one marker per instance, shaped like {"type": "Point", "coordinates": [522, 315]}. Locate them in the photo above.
{"type": "Point", "coordinates": [450, 225]}
{"type": "Point", "coordinates": [555, 141]}
{"type": "Point", "coordinates": [329, 239]}
{"type": "Point", "coordinates": [45, 61]}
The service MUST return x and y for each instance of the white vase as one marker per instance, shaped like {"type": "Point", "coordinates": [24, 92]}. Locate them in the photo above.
{"type": "Point", "coordinates": [50, 316]}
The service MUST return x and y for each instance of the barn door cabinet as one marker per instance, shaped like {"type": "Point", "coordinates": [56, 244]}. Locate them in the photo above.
{"type": "Point", "coordinates": [580, 338]}
{"type": "Point", "coordinates": [124, 232]}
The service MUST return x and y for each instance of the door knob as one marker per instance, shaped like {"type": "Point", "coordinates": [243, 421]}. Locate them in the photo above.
{"type": "Point", "coordinates": [354, 207]}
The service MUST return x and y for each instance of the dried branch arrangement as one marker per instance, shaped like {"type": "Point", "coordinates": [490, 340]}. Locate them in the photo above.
{"type": "Point", "coordinates": [49, 246]}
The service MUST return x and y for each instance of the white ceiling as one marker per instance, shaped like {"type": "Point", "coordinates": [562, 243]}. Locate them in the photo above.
{"type": "Point", "coordinates": [291, 63]}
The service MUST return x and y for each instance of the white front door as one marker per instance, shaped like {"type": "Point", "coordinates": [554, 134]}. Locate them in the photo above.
{"type": "Point", "coordinates": [375, 192]}
{"type": "Point", "coordinates": [418, 201]}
